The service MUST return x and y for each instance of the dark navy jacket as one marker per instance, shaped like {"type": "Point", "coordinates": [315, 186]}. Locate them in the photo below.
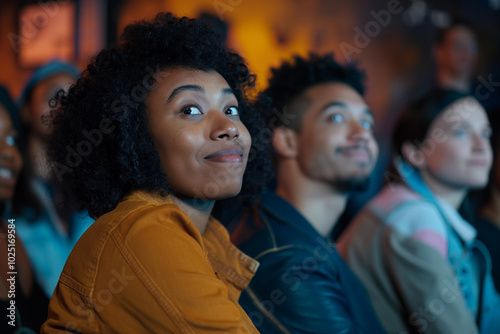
{"type": "Point", "coordinates": [302, 284]}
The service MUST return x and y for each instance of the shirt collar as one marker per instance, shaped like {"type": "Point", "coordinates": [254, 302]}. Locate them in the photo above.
{"type": "Point", "coordinates": [464, 230]}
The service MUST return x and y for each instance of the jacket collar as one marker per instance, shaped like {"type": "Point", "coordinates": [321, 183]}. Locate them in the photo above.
{"type": "Point", "coordinates": [392, 196]}
{"type": "Point", "coordinates": [286, 214]}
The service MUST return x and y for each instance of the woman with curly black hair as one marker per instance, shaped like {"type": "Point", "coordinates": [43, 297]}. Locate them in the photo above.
{"type": "Point", "coordinates": [146, 141]}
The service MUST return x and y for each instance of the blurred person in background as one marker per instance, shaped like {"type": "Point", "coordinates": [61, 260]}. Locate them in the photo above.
{"type": "Point", "coordinates": [455, 54]}
{"type": "Point", "coordinates": [324, 148]}
{"type": "Point", "coordinates": [488, 220]}
{"type": "Point", "coordinates": [50, 234]}
{"type": "Point", "coordinates": [21, 296]}
{"type": "Point", "coordinates": [416, 255]}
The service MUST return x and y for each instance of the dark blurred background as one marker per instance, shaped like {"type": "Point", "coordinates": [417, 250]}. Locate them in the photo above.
{"type": "Point", "coordinates": [395, 49]}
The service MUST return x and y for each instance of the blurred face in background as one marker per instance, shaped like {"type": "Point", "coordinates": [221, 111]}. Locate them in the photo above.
{"type": "Point", "coordinates": [38, 105]}
{"type": "Point", "coordinates": [457, 53]}
{"type": "Point", "coordinates": [460, 157]}
{"type": "Point", "coordinates": [10, 158]}
{"type": "Point", "coordinates": [335, 142]}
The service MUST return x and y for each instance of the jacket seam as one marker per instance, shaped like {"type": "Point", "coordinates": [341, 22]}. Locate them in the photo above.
{"type": "Point", "coordinates": [282, 328]}
{"type": "Point", "coordinates": [269, 228]}
{"type": "Point", "coordinates": [87, 300]}
{"type": "Point", "coordinates": [272, 250]}
{"type": "Point", "coordinates": [242, 282]}
{"type": "Point", "coordinates": [153, 289]}
{"type": "Point", "coordinates": [114, 226]}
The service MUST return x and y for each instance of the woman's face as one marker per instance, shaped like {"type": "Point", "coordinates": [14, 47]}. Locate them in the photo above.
{"type": "Point", "coordinates": [457, 152]}
{"type": "Point", "coordinates": [10, 158]}
{"type": "Point", "coordinates": [202, 144]}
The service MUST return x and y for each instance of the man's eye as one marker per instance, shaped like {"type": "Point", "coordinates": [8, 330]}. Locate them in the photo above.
{"type": "Point", "coordinates": [10, 140]}
{"type": "Point", "coordinates": [191, 110]}
{"type": "Point", "coordinates": [232, 111]}
{"type": "Point", "coordinates": [337, 118]}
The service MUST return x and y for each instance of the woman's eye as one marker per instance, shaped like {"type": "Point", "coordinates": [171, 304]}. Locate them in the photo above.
{"type": "Point", "coordinates": [487, 134]}
{"type": "Point", "coordinates": [460, 133]}
{"type": "Point", "coordinates": [191, 110]}
{"type": "Point", "coordinates": [10, 140]}
{"type": "Point", "coordinates": [367, 125]}
{"type": "Point", "coordinates": [232, 111]}
{"type": "Point", "coordinates": [337, 118]}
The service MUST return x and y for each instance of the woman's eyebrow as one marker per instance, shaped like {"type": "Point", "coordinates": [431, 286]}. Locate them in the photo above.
{"type": "Point", "coordinates": [196, 88]}
{"type": "Point", "coordinates": [181, 89]}
{"type": "Point", "coordinates": [462, 124]}
{"type": "Point", "coordinates": [227, 91]}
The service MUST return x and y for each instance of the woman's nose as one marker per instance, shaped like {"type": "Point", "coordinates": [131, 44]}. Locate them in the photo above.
{"type": "Point", "coordinates": [222, 126]}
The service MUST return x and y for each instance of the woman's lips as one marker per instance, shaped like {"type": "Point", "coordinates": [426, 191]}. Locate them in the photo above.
{"type": "Point", "coordinates": [7, 177]}
{"type": "Point", "coordinates": [478, 162]}
{"type": "Point", "coordinates": [227, 155]}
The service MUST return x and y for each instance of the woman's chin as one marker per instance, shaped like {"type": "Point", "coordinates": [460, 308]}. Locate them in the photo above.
{"type": "Point", "coordinates": [210, 194]}
{"type": "Point", "coordinates": [229, 193]}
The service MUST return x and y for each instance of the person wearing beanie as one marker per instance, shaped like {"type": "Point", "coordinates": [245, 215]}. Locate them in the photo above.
{"type": "Point", "coordinates": [48, 231]}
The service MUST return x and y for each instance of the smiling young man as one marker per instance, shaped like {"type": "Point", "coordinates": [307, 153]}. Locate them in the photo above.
{"type": "Point", "coordinates": [324, 148]}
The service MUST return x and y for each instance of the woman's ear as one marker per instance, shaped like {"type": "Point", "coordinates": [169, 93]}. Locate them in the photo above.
{"type": "Point", "coordinates": [413, 155]}
{"type": "Point", "coordinates": [285, 142]}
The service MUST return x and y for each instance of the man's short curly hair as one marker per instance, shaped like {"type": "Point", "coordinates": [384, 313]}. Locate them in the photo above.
{"type": "Point", "coordinates": [294, 77]}
{"type": "Point", "coordinates": [101, 148]}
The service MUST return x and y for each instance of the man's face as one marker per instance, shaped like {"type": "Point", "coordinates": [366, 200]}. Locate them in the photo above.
{"type": "Point", "coordinates": [458, 52]}
{"type": "Point", "coordinates": [335, 142]}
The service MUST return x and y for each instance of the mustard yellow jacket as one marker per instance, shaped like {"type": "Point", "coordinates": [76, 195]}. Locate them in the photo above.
{"type": "Point", "coordinates": [145, 268]}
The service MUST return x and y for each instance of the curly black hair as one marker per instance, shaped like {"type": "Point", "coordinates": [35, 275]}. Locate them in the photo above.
{"type": "Point", "coordinates": [101, 148]}
{"type": "Point", "coordinates": [294, 77]}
